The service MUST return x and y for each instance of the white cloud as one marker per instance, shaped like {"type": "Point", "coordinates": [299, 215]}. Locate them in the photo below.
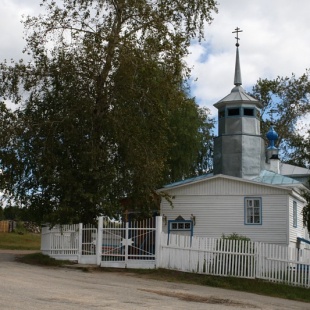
{"type": "Point", "coordinates": [11, 28]}
{"type": "Point", "coordinates": [275, 41]}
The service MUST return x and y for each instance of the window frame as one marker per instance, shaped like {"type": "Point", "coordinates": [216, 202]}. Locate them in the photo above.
{"type": "Point", "coordinates": [179, 226]}
{"type": "Point", "coordinates": [247, 209]}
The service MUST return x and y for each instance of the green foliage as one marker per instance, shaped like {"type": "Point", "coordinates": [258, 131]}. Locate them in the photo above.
{"type": "Point", "coordinates": [104, 112]}
{"type": "Point", "coordinates": [287, 99]}
{"type": "Point", "coordinates": [306, 210]}
{"type": "Point", "coordinates": [16, 213]}
{"type": "Point", "coordinates": [190, 153]}
{"type": "Point", "coordinates": [235, 236]}
{"type": "Point", "coordinates": [20, 228]}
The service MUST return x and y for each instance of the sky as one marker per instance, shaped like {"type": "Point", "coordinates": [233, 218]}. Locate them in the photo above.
{"type": "Point", "coordinates": [275, 42]}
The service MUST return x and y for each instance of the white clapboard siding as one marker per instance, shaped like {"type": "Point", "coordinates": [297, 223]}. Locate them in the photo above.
{"type": "Point", "coordinates": [223, 185]}
{"type": "Point", "coordinates": [216, 216]}
{"type": "Point", "coordinates": [218, 206]}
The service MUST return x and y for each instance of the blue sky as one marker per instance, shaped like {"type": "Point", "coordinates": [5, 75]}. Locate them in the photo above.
{"type": "Point", "coordinates": [275, 42]}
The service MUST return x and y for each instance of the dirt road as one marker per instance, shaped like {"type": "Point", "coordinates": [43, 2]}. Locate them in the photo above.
{"type": "Point", "coordinates": [31, 287]}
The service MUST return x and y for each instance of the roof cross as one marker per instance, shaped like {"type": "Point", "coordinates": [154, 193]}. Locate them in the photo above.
{"type": "Point", "coordinates": [271, 112]}
{"type": "Point", "coordinates": [237, 30]}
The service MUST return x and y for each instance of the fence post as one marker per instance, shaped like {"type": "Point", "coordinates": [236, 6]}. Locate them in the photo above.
{"type": "Point", "coordinates": [257, 259]}
{"type": "Point", "coordinates": [126, 241]}
{"type": "Point", "coordinates": [159, 229]}
{"type": "Point", "coordinates": [80, 241]}
{"type": "Point", "coordinates": [99, 240]}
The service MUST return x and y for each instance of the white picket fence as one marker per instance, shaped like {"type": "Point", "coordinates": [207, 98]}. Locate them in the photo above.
{"type": "Point", "coordinates": [61, 242]}
{"type": "Point", "coordinates": [244, 259]}
{"type": "Point", "coordinates": [210, 256]}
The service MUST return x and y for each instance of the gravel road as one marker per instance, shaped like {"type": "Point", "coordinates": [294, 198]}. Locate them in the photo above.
{"type": "Point", "coordinates": [31, 287]}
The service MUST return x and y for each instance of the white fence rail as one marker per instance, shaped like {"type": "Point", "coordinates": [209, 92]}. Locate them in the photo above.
{"type": "Point", "coordinates": [146, 246]}
{"type": "Point", "coordinates": [244, 259]}
{"type": "Point", "coordinates": [61, 242]}
{"type": "Point", "coordinates": [208, 255]}
{"type": "Point", "coordinates": [283, 264]}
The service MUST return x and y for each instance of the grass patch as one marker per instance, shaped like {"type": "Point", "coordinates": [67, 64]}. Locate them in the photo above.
{"type": "Point", "coordinates": [43, 260]}
{"type": "Point", "coordinates": [15, 241]}
{"type": "Point", "coordinates": [255, 286]}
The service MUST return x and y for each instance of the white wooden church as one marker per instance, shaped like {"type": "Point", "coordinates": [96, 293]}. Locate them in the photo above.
{"type": "Point", "coordinates": [250, 193]}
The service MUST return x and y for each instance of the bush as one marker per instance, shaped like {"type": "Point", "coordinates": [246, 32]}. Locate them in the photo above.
{"type": "Point", "coordinates": [235, 236]}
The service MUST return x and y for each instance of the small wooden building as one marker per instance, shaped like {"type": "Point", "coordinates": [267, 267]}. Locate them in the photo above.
{"type": "Point", "coordinates": [215, 205]}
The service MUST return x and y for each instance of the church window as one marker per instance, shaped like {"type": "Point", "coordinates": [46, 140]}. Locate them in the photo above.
{"type": "Point", "coordinates": [253, 211]}
{"type": "Point", "coordinates": [248, 111]}
{"type": "Point", "coordinates": [180, 225]}
{"type": "Point", "coordinates": [295, 214]}
{"type": "Point", "coordinates": [233, 112]}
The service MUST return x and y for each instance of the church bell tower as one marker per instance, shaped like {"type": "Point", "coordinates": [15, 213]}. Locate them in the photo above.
{"type": "Point", "coordinates": [239, 149]}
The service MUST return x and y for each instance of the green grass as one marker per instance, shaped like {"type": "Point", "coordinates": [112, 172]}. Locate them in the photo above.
{"type": "Point", "coordinates": [43, 260]}
{"type": "Point", "coordinates": [255, 286]}
{"type": "Point", "coordinates": [15, 241]}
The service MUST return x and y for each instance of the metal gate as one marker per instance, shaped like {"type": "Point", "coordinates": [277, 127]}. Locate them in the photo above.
{"type": "Point", "coordinates": [87, 244]}
{"type": "Point", "coordinates": [128, 244]}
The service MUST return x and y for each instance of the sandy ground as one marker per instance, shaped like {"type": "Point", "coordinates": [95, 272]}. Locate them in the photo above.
{"type": "Point", "coordinates": [31, 287]}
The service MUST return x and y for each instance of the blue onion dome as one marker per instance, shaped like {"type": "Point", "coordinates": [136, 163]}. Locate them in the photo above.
{"type": "Point", "coordinates": [272, 136]}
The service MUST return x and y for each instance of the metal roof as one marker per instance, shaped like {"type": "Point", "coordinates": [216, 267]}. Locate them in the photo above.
{"type": "Point", "coordinates": [266, 177]}
{"type": "Point", "coordinates": [269, 177]}
{"type": "Point", "coordinates": [190, 180]}
{"type": "Point", "coordinates": [291, 170]}
{"type": "Point", "coordinates": [238, 94]}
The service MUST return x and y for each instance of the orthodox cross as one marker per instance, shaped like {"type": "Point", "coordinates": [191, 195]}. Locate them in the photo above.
{"type": "Point", "coordinates": [271, 115]}
{"type": "Point", "coordinates": [237, 30]}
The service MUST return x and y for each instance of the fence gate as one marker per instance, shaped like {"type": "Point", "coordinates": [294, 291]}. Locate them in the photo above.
{"type": "Point", "coordinates": [127, 244]}
{"type": "Point", "coordinates": [87, 244]}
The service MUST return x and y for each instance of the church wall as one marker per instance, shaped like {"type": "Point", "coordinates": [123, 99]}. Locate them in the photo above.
{"type": "Point", "coordinates": [225, 186]}
{"type": "Point", "coordinates": [219, 208]}
{"type": "Point", "coordinates": [296, 229]}
{"type": "Point", "coordinates": [224, 214]}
